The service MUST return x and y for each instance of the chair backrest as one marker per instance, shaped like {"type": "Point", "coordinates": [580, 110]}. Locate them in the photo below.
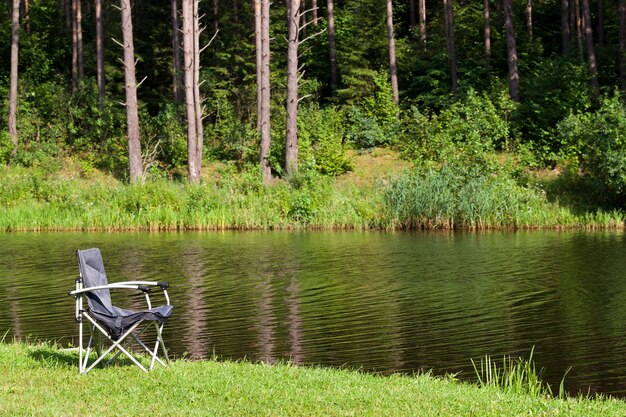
{"type": "Point", "coordinates": [92, 272]}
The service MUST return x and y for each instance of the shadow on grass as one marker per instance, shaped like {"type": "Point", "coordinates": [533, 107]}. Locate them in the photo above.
{"type": "Point", "coordinates": [64, 358]}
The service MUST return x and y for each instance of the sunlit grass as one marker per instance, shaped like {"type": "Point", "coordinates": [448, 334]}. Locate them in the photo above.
{"type": "Point", "coordinates": [40, 379]}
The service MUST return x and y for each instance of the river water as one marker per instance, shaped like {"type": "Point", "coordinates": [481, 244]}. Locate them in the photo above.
{"type": "Point", "coordinates": [380, 302]}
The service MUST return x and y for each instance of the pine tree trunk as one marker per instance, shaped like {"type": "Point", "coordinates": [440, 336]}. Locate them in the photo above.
{"type": "Point", "coordinates": [331, 45]}
{"type": "Point", "coordinates": [259, 62]}
{"type": "Point", "coordinates": [15, 34]}
{"type": "Point", "coordinates": [74, 46]}
{"type": "Point", "coordinates": [487, 22]}
{"type": "Point", "coordinates": [132, 118]}
{"type": "Point", "coordinates": [79, 38]}
{"type": "Point", "coordinates": [511, 49]}
{"type": "Point", "coordinates": [196, 88]}
{"type": "Point", "coordinates": [591, 53]}
{"type": "Point", "coordinates": [189, 66]}
{"type": "Point", "coordinates": [412, 19]}
{"type": "Point", "coordinates": [291, 140]}
{"type": "Point", "coordinates": [100, 53]}
{"type": "Point", "coordinates": [393, 68]}
{"type": "Point", "coordinates": [216, 25]}
{"type": "Point", "coordinates": [176, 52]}
{"type": "Point", "coordinates": [565, 28]}
{"type": "Point", "coordinates": [450, 38]}
{"type": "Point", "coordinates": [421, 5]}
{"type": "Point", "coordinates": [601, 24]}
{"type": "Point", "coordinates": [314, 12]}
{"type": "Point", "coordinates": [622, 44]}
{"type": "Point", "coordinates": [579, 28]}
{"type": "Point", "coordinates": [26, 17]}
{"type": "Point", "coordinates": [265, 91]}
{"type": "Point", "coordinates": [529, 18]}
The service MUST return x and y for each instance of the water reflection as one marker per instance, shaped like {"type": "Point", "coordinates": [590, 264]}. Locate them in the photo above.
{"type": "Point", "coordinates": [381, 302]}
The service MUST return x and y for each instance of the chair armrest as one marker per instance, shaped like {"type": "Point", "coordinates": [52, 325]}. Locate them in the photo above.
{"type": "Point", "coordinates": [133, 285]}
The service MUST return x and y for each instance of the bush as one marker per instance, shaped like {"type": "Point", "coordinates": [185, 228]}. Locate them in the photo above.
{"type": "Point", "coordinates": [466, 133]}
{"type": "Point", "coordinates": [599, 140]}
{"type": "Point", "coordinates": [320, 139]}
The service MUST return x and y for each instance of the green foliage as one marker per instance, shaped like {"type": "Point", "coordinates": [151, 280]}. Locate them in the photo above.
{"type": "Point", "coordinates": [374, 121]}
{"type": "Point", "coordinates": [599, 140]}
{"type": "Point", "coordinates": [466, 134]}
{"type": "Point", "coordinates": [321, 139]}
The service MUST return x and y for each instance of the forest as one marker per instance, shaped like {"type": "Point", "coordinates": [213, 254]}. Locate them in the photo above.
{"type": "Point", "coordinates": [479, 97]}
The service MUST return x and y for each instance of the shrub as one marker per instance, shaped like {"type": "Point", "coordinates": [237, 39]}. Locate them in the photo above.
{"type": "Point", "coordinates": [599, 140]}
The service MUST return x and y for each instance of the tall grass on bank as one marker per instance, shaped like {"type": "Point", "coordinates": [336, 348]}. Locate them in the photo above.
{"type": "Point", "coordinates": [451, 198]}
{"type": "Point", "coordinates": [40, 379]}
{"type": "Point", "coordinates": [515, 375]}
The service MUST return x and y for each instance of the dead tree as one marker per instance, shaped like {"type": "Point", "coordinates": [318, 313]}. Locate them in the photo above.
{"type": "Point", "coordinates": [132, 117]}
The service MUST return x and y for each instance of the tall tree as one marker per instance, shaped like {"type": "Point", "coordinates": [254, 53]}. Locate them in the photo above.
{"type": "Point", "coordinates": [622, 44]}
{"type": "Point", "coordinates": [393, 68]}
{"type": "Point", "coordinates": [191, 52]}
{"type": "Point", "coordinates": [263, 86]}
{"type": "Point", "coordinates": [77, 43]}
{"type": "Point", "coordinates": [132, 117]}
{"type": "Point", "coordinates": [529, 17]}
{"type": "Point", "coordinates": [601, 23]}
{"type": "Point", "coordinates": [511, 49]}
{"type": "Point", "coordinates": [421, 6]}
{"type": "Point", "coordinates": [15, 35]}
{"type": "Point", "coordinates": [487, 29]}
{"type": "Point", "coordinates": [565, 28]}
{"type": "Point", "coordinates": [450, 38]}
{"type": "Point", "coordinates": [176, 54]}
{"type": "Point", "coordinates": [412, 19]}
{"type": "Point", "coordinates": [331, 45]}
{"type": "Point", "coordinates": [100, 52]}
{"type": "Point", "coordinates": [576, 20]}
{"type": "Point", "coordinates": [591, 53]}
{"type": "Point", "coordinates": [291, 139]}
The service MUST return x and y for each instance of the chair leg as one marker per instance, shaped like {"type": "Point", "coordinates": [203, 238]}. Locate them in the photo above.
{"type": "Point", "coordinates": [117, 344]}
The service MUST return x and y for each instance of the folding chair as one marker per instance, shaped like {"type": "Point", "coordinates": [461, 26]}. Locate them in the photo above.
{"type": "Point", "coordinates": [120, 326]}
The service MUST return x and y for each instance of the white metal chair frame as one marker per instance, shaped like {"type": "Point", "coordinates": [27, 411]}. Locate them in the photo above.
{"type": "Point", "coordinates": [121, 343]}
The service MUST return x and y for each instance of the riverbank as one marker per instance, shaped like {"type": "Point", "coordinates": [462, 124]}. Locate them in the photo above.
{"type": "Point", "coordinates": [382, 192]}
{"type": "Point", "coordinates": [40, 379]}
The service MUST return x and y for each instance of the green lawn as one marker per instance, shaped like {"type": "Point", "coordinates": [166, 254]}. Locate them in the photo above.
{"type": "Point", "coordinates": [43, 380]}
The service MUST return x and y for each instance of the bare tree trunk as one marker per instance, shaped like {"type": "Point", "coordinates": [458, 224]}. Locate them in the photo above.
{"type": "Point", "coordinates": [487, 29]}
{"type": "Point", "coordinates": [216, 25]}
{"type": "Point", "coordinates": [100, 53]}
{"type": "Point", "coordinates": [565, 28]}
{"type": "Point", "coordinates": [15, 35]}
{"type": "Point", "coordinates": [177, 61]}
{"type": "Point", "coordinates": [412, 19]}
{"type": "Point", "coordinates": [511, 49]}
{"type": "Point", "coordinates": [579, 28]}
{"type": "Point", "coordinates": [191, 50]}
{"type": "Point", "coordinates": [331, 45]}
{"type": "Point", "coordinates": [601, 24]}
{"type": "Point", "coordinates": [450, 38]}
{"type": "Point", "coordinates": [314, 12]}
{"type": "Point", "coordinates": [529, 18]}
{"type": "Point", "coordinates": [421, 5]}
{"type": "Point", "coordinates": [291, 140]}
{"type": "Point", "coordinates": [79, 39]}
{"type": "Point", "coordinates": [259, 55]}
{"type": "Point", "coordinates": [393, 68]}
{"type": "Point", "coordinates": [67, 7]}
{"type": "Point", "coordinates": [591, 53]}
{"type": "Point", "coordinates": [74, 46]}
{"type": "Point", "coordinates": [264, 81]}
{"type": "Point", "coordinates": [196, 87]}
{"type": "Point", "coordinates": [132, 118]}
{"type": "Point", "coordinates": [622, 44]}
{"type": "Point", "coordinates": [26, 17]}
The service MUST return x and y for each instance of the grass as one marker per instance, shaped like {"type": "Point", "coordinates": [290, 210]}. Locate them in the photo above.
{"type": "Point", "coordinates": [381, 193]}
{"type": "Point", "coordinates": [40, 379]}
